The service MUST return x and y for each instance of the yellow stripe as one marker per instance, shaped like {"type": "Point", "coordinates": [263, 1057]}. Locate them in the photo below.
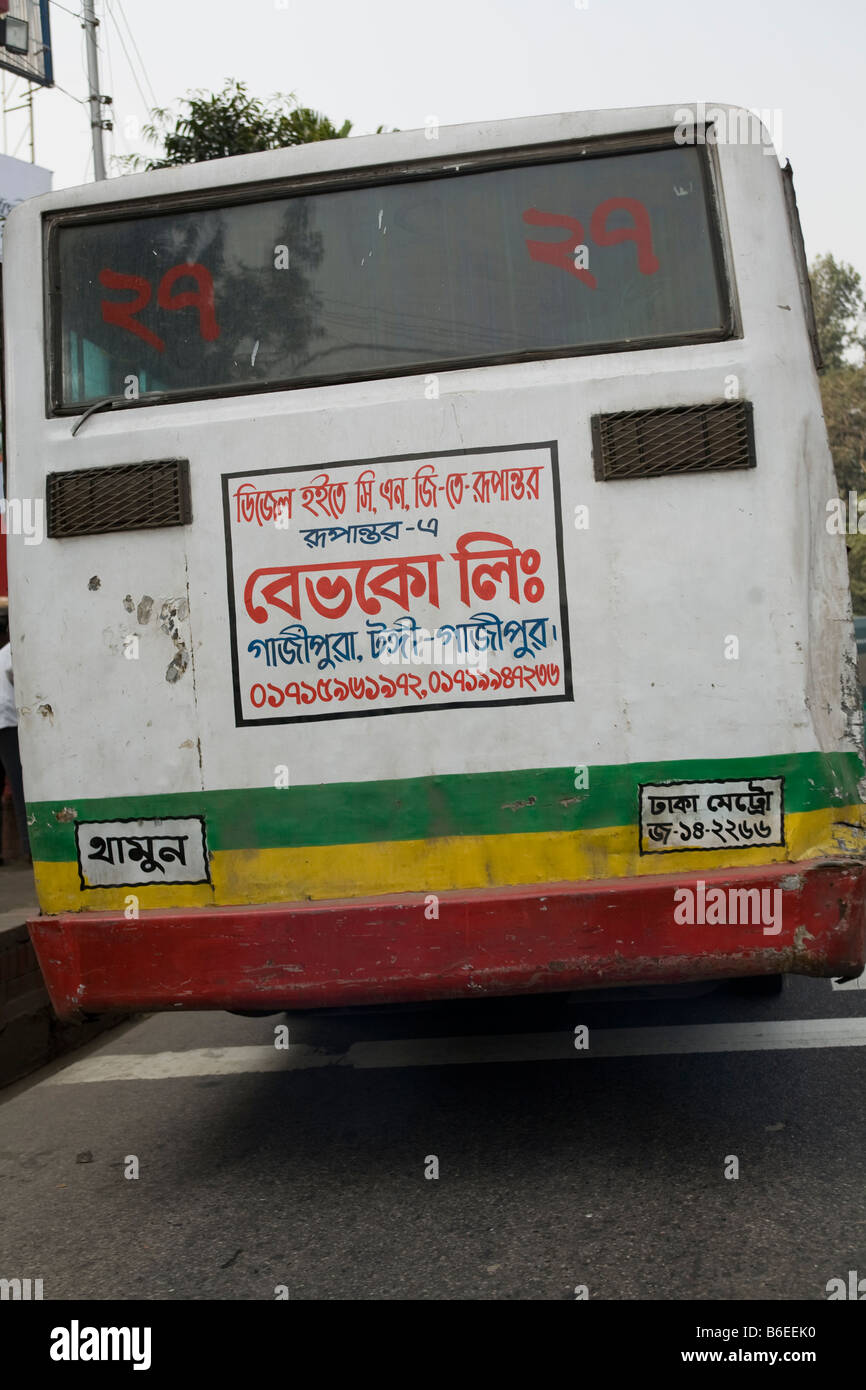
{"type": "Point", "coordinates": [247, 876]}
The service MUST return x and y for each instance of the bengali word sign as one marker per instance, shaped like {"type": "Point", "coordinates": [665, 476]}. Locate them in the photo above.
{"type": "Point", "coordinates": [132, 852]}
{"type": "Point", "coordinates": [341, 571]}
{"type": "Point", "coordinates": [425, 488]}
{"type": "Point", "coordinates": [711, 815]}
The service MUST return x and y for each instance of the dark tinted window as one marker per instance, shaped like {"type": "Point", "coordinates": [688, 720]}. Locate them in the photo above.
{"type": "Point", "coordinates": [531, 259]}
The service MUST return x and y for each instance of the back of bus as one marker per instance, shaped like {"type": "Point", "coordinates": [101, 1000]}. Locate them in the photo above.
{"type": "Point", "coordinates": [439, 599]}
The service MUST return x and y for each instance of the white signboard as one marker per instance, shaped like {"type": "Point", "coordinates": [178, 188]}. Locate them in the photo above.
{"type": "Point", "coordinates": [711, 815]}
{"type": "Point", "coordinates": [116, 853]}
{"type": "Point", "coordinates": [378, 586]}
{"type": "Point", "coordinates": [19, 180]}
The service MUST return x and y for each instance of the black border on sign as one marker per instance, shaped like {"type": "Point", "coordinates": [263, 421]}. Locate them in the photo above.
{"type": "Point", "coordinates": [566, 697]}
{"type": "Point", "coordinates": [138, 820]}
{"type": "Point", "coordinates": [711, 782]}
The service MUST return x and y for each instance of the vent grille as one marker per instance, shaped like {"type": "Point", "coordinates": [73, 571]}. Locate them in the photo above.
{"type": "Point", "coordinates": [682, 439]}
{"type": "Point", "coordinates": [129, 497]}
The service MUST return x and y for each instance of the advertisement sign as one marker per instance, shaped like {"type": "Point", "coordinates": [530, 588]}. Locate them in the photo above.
{"type": "Point", "coordinates": [382, 586]}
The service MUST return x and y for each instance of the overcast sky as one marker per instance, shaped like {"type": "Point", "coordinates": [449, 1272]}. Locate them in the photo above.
{"type": "Point", "coordinates": [396, 63]}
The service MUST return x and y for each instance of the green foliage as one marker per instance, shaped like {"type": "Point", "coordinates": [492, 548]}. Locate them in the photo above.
{"type": "Point", "coordinates": [218, 124]}
{"type": "Point", "coordinates": [838, 297]}
{"type": "Point", "coordinates": [843, 393]}
{"type": "Point", "coordinates": [837, 294]}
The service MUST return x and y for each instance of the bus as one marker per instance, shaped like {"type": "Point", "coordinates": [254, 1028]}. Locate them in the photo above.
{"type": "Point", "coordinates": [435, 598]}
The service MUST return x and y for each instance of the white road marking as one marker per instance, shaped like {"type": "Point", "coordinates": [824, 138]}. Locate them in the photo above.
{"type": "Point", "coordinates": [198, 1061]}
{"type": "Point", "coordinates": [506, 1047]}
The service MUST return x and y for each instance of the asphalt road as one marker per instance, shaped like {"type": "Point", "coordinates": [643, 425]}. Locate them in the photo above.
{"type": "Point", "coordinates": [304, 1169]}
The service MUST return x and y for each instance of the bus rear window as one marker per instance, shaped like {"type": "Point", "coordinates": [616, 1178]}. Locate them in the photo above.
{"type": "Point", "coordinates": [555, 258]}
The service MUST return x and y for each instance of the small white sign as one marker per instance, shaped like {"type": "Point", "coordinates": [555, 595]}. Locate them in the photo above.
{"type": "Point", "coordinates": [126, 853]}
{"type": "Point", "coordinates": [711, 815]}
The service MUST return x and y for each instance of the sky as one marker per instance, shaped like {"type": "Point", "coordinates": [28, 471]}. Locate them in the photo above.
{"type": "Point", "coordinates": [396, 63]}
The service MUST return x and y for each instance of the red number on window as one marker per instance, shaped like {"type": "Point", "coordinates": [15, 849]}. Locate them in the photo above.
{"type": "Point", "coordinates": [558, 253]}
{"type": "Point", "coordinates": [122, 311]}
{"type": "Point", "coordinates": [640, 233]}
{"type": "Point", "coordinates": [201, 299]}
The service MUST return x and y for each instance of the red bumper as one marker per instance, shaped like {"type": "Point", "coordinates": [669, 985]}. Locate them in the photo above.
{"type": "Point", "coordinates": [561, 936]}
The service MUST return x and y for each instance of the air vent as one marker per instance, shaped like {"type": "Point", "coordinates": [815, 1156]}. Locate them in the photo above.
{"type": "Point", "coordinates": [681, 439]}
{"type": "Point", "coordinates": [129, 497]}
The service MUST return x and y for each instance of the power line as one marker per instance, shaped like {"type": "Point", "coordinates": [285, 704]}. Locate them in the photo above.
{"type": "Point", "coordinates": [144, 99]}
{"type": "Point", "coordinates": [56, 3]}
{"type": "Point", "coordinates": [153, 100]}
{"type": "Point", "coordinates": [112, 133]}
{"type": "Point", "coordinates": [82, 101]}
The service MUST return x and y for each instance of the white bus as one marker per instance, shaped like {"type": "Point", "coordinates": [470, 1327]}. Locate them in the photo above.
{"type": "Point", "coordinates": [436, 598]}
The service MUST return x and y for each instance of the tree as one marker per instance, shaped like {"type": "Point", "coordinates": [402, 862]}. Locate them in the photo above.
{"type": "Point", "coordinates": [843, 394]}
{"type": "Point", "coordinates": [218, 124]}
{"type": "Point", "coordinates": [840, 309]}
{"type": "Point", "coordinates": [837, 294]}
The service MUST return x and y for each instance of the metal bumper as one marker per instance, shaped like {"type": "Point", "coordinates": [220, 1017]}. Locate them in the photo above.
{"type": "Point", "coordinates": [806, 918]}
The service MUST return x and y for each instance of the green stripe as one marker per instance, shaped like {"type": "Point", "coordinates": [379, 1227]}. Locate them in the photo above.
{"type": "Point", "coordinates": [416, 808]}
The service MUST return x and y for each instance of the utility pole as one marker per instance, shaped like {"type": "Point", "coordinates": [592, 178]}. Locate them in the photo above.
{"type": "Point", "coordinates": [96, 99]}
